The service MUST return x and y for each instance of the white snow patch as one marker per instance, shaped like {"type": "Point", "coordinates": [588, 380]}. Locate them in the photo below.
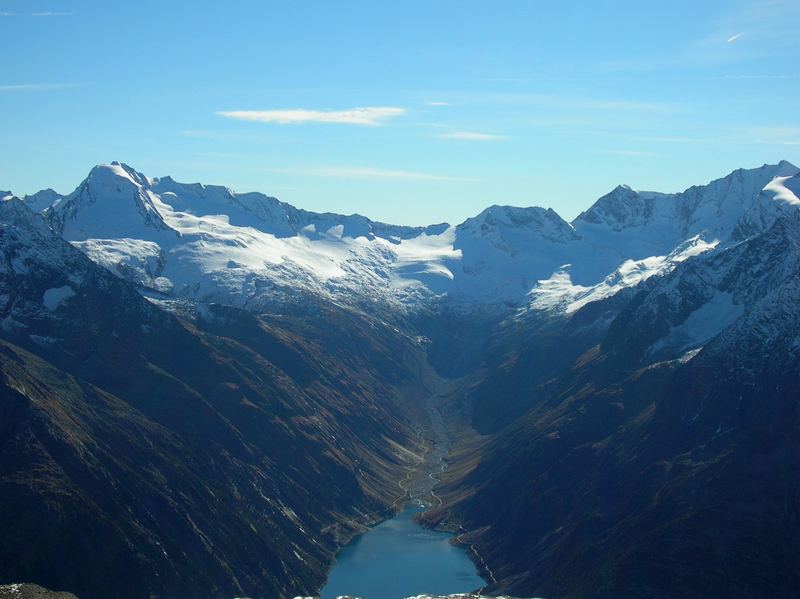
{"type": "Point", "coordinates": [134, 259]}
{"type": "Point", "coordinates": [702, 325]}
{"type": "Point", "coordinates": [781, 192]}
{"type": "Point", "coordinates": [689, 355]}
{"type": "Point", "coordinates": [55, 296]}
{"type": "Point", "coordinates": [422, 259]}
{"type": "Point", "coordinates": [560, 293]}
{"type": "Point", "coordinates": [336, 231]}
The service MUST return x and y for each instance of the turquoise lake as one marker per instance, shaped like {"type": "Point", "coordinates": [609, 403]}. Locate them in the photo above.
{"type": "Point", "coordinates": [398, 558]}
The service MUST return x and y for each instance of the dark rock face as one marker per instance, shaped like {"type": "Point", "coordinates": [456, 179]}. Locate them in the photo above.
{"type": "Point", "coordinates": [629, 486]}
{"type": "Point", "coordinates": [635, 473]}
{"type": "Point", "coordinates": [216, 454]}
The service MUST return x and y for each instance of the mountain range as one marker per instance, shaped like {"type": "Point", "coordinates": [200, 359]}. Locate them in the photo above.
{"type": "Point", "coordinates": [207, 392]}
{"type": "Point", "coordinates": [209, 243]}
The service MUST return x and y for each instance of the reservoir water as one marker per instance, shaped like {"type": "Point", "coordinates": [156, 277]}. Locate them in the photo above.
{"type": "Point", "coordinates": [398, 558]}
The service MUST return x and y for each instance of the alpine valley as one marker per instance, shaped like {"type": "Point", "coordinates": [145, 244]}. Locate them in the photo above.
{"type": "Point", "coordinates": [206, 393]}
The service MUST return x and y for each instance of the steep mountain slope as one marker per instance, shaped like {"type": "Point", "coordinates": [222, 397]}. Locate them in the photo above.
{"type": "Point", "coordinates": [216, 454]}
{"type": "Point", "coordinates": [630, 376]}
{"type": "Point", "coordinates": [663, 460]}
{"type": "Point", "coordinates": [563, 320]}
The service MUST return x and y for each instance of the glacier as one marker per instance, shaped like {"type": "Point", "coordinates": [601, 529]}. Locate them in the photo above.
{"type": "Point", "coordinates": [209, 243]}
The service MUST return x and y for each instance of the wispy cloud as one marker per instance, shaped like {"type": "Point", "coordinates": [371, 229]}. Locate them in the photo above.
{"type": "Point", "coordinates": [36, 87]}
{"type": "Point", "coordinates": [472, 136]}
{"type": "Point", "coordinates": [367, 116]}
{"type": "Point", "coordinates": [44, 13]}
{"type": "Point", "coordinates": [363, 172]}
{"type": "Point", "coordinates": [437, 103]}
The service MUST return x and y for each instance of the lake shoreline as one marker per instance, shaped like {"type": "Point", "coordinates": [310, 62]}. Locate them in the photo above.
{"type": "Point", "coordinates": [405, 537]}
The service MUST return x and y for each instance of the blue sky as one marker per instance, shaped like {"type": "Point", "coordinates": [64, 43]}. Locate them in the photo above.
{"type": "Point", "coordinates": [407, 112]}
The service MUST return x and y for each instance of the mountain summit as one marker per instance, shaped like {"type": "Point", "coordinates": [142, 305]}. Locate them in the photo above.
{"type": "Point", "coordinates": [210, 243]}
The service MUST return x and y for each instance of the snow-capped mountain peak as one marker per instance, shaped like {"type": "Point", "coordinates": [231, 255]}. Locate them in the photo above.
{"type": "Point", "coordinates": [697, 301]}
{"type": "Point", "coordinates": [542, 222]}
{"type": "Point", "coordinates": [13, 211]}
{"type": "Point", "coordinates": [622, 208]}
{"type": "Point", "coordinates": [715, 206]}
{"type": "Point", "coordinates": [112, 202]}
{"type": "Point", "coordinates": [42, 200]}
{"type": "Point", "coordinates": [209, 242]}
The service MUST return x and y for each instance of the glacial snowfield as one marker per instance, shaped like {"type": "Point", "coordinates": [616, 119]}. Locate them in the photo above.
{"type": "Point", "coordinates": [210, 243]}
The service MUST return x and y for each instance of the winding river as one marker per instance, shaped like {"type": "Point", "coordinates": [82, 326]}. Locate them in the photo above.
{"type": "Point", "coordinates": [398, 558]}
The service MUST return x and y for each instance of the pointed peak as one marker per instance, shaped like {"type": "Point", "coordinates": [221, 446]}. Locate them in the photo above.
{"type": "Point", "coordinates": [12, 205]}
{"type": "Point", "coordinates": [513, 215]}
{"type": "Point", "coordinates": [619, 208]}
{"type": "Point", "coordinates": [49, 192]}
{"type": "Point", "coordinates": [766, 171]}
{"type": "Point", "coordinates": [13, 211]}
{"type": "Point", "coordinates": [115, 173]}
{"type": "Point", "coordinates": [785, 169]}
{"type": "Point", "coordinates": [500, 220]}
{"type": "Point", "coordinates": [622, 191]}
{"type": "Point", "coordinates": [42, 200]}
{"type": "Point", "coordinates": [112, 201]}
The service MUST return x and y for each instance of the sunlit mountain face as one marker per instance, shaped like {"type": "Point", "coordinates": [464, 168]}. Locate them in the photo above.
{"type": "Point", "coordinates": [206, 393]}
